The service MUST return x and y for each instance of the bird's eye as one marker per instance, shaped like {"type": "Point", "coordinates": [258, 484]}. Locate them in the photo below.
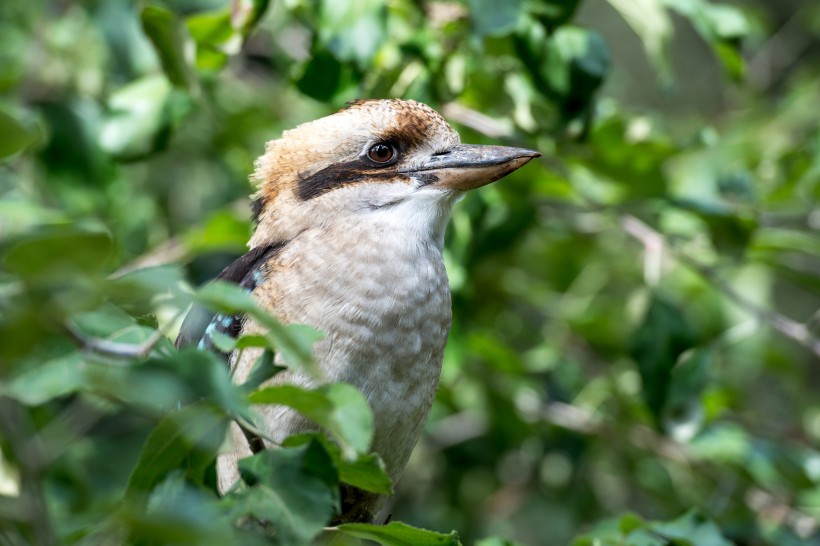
{"type": "Point", "coordinates": [381, 153]}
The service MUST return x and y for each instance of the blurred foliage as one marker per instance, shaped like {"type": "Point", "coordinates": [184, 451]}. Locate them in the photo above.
{"type": "Point", "coordinates": [634, 355]}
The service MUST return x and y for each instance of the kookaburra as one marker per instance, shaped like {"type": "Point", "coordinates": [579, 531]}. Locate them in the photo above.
{"type": "Point", "coordinates": [350, 212]}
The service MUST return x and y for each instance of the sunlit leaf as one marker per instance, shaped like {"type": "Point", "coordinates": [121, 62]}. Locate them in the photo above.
{"type": "Point", "coordinates": [169, 36]}
{"type": "Point", "coordinates": [339, 408]}
{"type": "Point", "coordinates": [294, 489]}
{"type": "Point", "coordinates": [56, 254]}
{"type": "Point", "coordinates": [650, 21]}
{"type": "Point", "coordinates": [692, 528]}
{"type": "Point", "coordinates": [494, 18]}
{"type": "Point", "coordinates": [399, 534]}
{"type": "Point", "coordinates": [194, 433]}
{"type": "Point", "coordinates": [14, 136]}
{"type": "Point", "coordinates": [656, 345]}
{"type": "Point", "coordinates": [178, 513]}
{"type": "Point", "coordinates": [141, 117]}
{"type": "Point", "coordinates": [365, 472]}
{"type": "Point", "coordinates": [721, 25]}
{"type": "Point", "coordinates": [221, 231]}
{"type": "Point", "coordinates": [352, 31]}
{"type": "Point", "coordinates": [293, 341]}
{"type": "Point", "coordinates": [245, 14]}
{"type": "Point", "coordinates": [43, 381]}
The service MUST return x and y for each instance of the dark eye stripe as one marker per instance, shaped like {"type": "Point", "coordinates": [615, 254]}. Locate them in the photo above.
{"type": "Point", "coordinates": [342, 174]}
{"type": "Point", "coordinates": [361, 169]}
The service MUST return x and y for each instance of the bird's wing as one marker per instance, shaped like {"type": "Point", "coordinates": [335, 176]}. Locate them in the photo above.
{"type": "Point", "coordinates": [200, 322]}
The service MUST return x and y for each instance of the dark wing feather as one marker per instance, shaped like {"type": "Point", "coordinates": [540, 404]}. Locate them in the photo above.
{"type": "Point", "coordinates": [201, 322]}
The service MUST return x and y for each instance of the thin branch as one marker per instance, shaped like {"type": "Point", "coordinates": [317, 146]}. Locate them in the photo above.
{"type": "Point", "coordinates": [118, 349]}
{"type": "Point", "coordinates": [783, 324]}
{"type": "Point", "coordinates": [779, 52]}
{"type": "Point", "coordinates": [171, 251]}
{"type": "Point", "coordinates": [584, 421]}
{"type": "Point", "coordinates": [477, 121]}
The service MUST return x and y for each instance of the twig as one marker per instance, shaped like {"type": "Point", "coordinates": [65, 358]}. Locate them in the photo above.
{"type": "Point", "coordinates": [171, 251]}
{"type": "Point", "coordinates": [781, 50]}
{"type": "Point", "coordinates": [584, 421]}
{"type": "Point", "coordinates": [116, 348]}
{"type": "Point", "coordinates": [477, 121]}
{"type": "Point", "coordinates": [783, 324]}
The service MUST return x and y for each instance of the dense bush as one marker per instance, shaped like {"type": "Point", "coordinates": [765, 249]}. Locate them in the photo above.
{"type": "Point", "coordinates": [634, 354]}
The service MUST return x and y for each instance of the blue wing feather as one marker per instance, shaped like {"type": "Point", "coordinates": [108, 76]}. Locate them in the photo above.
{"type": "Point", "coordinates": [200, 323]}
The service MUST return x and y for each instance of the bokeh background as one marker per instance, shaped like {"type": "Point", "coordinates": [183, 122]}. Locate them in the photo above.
{"type": "Point", "coordinates": [635, 354]}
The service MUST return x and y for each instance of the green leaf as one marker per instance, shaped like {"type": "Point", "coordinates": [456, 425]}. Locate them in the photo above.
{"type": "Point", "coordinates": [774, 239]}
{"type": "Point", "coordinates": [215, 38]}
{"type": "Point", "coordinates": [293, 341]}
{"type": "Point", "coordinates": [263, 370]}
{"type": "Point", "coordinates": [222, 231]}
{"type": "Point", "coordinates": [656, 345]}
{"type": "Point", "coordinates": [321, 77]}
{"type": "Point", "coordinates": [245, 14]}
{"type": "Point", "coordinates": [220, 34]}
{"type": "Point", "coordinates": [58, 254]}
{"type": "Point", "coordinates": [692, 528]}
{"type": "Point", "coordinates": [193, 433]}
{"type": "Point", "coordinates": [636, 165]}
{"type": "Point", "coordinates": [223, 342]}
{"type": "Point", "coordinates": [399, 534]}
{"type": "Point", "coordinates": [227, 298]}
{"type": "Point", "coordinates": [103, 322]}
{"type": "Point", "coordinates": [169, 36]}
{"type": "Point", "coordinates": [205, 376]}
{"type": "Point", "coordinates": [38, 383]}
{"type": "Point", "coordinates": [352, 31]}
{"type": "Point", "coordinates": [567, 67]}
{"type": "Point", "coordinates": [295, 489]}
{"type": "Point", "coordinates": [494, 18]}
{"type": "Point", "coordinates": [553, 13]}
{"type": "Point", "coordinates": [211, 28]}
{"type": "Point", "coordinates": [366, 472]}
{"type": "Point", "coordinates": [178, 513]}
{"type": "Point", "coordinates": [339, 408]}
{"type": "Point", "coordinates": [650, 21]}
{"type": "Point", "coordinates": [722, 444]}
{"type": "Point", "coordinates": [630, 522]}
{"type": "Point", "coordinates": [14, 136]}
{"type": "Point", "coordinates": [584, 59]}
{"type": "Point", "coordinates": [722, 26]}
{"type": "Point", "coordinates": [141, 116]}
{"type": "Point", "coordinates": [683, 411]}
{"type": "Point", "coordinates": [138, 291]}
{"type": "Point", "coordinates": [730, 230]}
{"type": "Point", "coordinates": [18, 216]}
{"type": "Point", "coordinates": [496, 541]}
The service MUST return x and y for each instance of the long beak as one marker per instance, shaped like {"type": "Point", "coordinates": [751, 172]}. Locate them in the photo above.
{"type": "Point", "coordinates": [469, 166]}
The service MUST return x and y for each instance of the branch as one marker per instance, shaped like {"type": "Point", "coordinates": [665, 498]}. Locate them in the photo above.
{"type": "Point", "coordinates": [584, 421]}
{"type": "Point", "coordinates": [171, 251]}
{"type": "Point", "coordinates": [477, 121]}
{"type": "Point", "coordinates": [653, 239]}
{"type": "Point", "coordinates": [116, 348]}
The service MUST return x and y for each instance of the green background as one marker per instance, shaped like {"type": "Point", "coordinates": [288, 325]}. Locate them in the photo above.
{"type": "Point", "coordinates": [635, 352]}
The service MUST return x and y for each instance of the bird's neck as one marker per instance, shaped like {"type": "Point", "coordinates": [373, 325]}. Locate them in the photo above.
{"type": "Point", "coordinates": [420, 218]}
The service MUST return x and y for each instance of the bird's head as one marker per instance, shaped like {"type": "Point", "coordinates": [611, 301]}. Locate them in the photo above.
{"type": "Point", "coordinates": [392, 160]}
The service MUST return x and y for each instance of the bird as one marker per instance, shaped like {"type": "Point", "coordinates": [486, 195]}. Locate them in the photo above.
{"type": "Point", "coordinates": [350, 214]}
